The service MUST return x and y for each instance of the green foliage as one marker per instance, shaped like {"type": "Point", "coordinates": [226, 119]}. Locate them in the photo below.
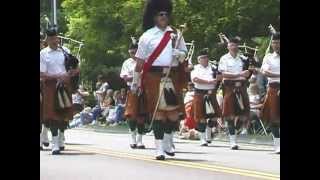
{"type": "Point", "coordinates": [105, 26]}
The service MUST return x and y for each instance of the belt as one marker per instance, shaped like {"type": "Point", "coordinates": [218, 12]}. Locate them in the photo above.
{"type": "Point", "coordinates": [202, 91]}
{"type": "Point", "coordinates": [235, 83]}
{"type": "Point", "coordinates": [274, 85]}
{"type": "Point", "coordinates": [161, 68]}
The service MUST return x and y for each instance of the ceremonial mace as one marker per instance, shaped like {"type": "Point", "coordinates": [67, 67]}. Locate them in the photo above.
{"type": "Point", "coordinates": [180, 33]}
{"type": "Point", "coordinates": [272, 31]}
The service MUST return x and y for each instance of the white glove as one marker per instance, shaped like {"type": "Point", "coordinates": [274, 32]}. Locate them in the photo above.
{"type": "Point", "coordinates": [136, 80]}
{"type": "Point", "coordinates": [179, 54]}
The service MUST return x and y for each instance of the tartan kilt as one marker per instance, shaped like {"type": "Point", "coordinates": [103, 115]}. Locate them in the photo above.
{"type": "Point", "coordinates": [270, 111]}
{"type": "Point", "coordinates": [48, 107]}
{"type": "Point", "coordinates": [152, 86]}
{"type": "Point", "coordinates": [229, 99]}
{"type": "Point", "coordinates": [198, 106]}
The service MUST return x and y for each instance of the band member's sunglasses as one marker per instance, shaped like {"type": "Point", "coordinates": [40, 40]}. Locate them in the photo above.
{"type": "Point", "coordinates": [132, 51]}
{"type": "Point", "coordinates": [163, 14]}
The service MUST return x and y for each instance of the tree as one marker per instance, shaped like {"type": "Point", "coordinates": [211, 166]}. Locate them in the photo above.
{"type": "Point", "coordinates": [105, 26]}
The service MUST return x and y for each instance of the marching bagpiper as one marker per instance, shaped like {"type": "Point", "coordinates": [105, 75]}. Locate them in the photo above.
{"type": "Point", "coordinates": [160, 52]}
{"type": "Point", "coordinates": [44, 140]}
{"type": "Point", "coordinates": [133, 121]}
{"type": "Point", "coordinates": [271, 106]}
{"type": "Point", "coordinates": [56, 89]}
{"type": "Point", "coordinates": [235, 95]}
{"type": "Point", "coordinates": [205, 105]}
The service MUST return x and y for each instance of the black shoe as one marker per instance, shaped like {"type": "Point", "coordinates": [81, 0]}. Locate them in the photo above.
{"type": "Point", "coordinates": [236, 147]}
{"type": "Point", "coordinates": [161, 157]}
{"type": "Point", "coordinates": [56, 152]}
{"type": "Point", "coordinates": [205, 144]}
{"type": "Point", "coordinates": [170, 153]}
{"type": "Point", "coordinates": [46, 144]}
{"type": "Point", "coordinates": [141, 147]}
{"type": "Point", "coordinates": [133, 146]}
{"type": "Point", "coordinates": [209, 142]}
{"type": "Point", "coordinates": [41, 148]}
{"type": "Point", "coordinates": [61, 148]}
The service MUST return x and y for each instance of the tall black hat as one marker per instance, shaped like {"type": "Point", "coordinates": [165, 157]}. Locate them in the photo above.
{"type": "Point", "coordinates": [203, 52]}
{"type": "Point", "coordinates": [51, 32]}
{"type": "Point", "coordinates": [152, 7]}
{"type": "Point", "coordinates": [235, 40]}
{"type": "Point", "coordinates": [276, 36]}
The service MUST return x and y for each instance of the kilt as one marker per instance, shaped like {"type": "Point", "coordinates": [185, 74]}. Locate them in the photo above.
{"type": "Point", "coordinates": [229, 98]}
{"type": "Point", "coordinates": [152, 85]}
{"type": "Point", "coordinates": [270, 111]}
{"type": "Point", "coordinates": [131, 108]}
{"type": "Point", "coordinates": [49, 113]}
{"type": "Point", "coordinates": [198, 105]}
{"type": "Point", "coordinates": [41, 95]}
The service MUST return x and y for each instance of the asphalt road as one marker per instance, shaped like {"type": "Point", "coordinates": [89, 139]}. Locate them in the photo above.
{"type": "Point", "coordinates": [103, 156]}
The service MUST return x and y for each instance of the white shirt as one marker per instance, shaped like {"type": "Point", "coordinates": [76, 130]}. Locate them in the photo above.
{"type": "Point", "coordinates": [271, 62]}
{"type": "Point", "coordinates": [232, 65]}
{"type": "Point", "coordinates": [77, 98]}
{"type": "Point", "coordinates": [204, 73]}
{"type": "Point", "coordinates": [188, 97]}
{"type": "Point", "coordinates": [52, 61]}
{"type": "Point", "coordinates": [149, 41]}
{"type": "Point", "coordinates": [128, 69]}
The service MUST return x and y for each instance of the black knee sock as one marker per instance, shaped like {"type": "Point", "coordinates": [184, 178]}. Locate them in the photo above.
{"type": "Point", "coordinates": [140, 127]}
{"type": "Point", "coordinates": [201, 127]}
{"type": "Point", "coordinates": [158, 129]}
{"type": "Point", "coordinates": [211, 123]}
{"type": "Point", "coordinates": [40, 128]}
{"type": "Point", "coordinates": [168, 127]}
{"type": "Point", "coordinates": [231, 127]}
{"type": "Point", "coordinates": [132, 124]}
{"type": "Point", "coordinates": [54, 131]}
{"type": "Point", "coordinates": [275, 131]}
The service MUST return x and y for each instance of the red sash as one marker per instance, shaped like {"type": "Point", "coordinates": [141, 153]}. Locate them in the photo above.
{"type": "Point", "coordinates": [148, 64]}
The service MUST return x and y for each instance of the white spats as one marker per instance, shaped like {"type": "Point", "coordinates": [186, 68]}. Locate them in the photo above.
{"type": "Point", "coordinates": [203, 141]}
{"type": "Point", "coordinates": [277, 145]}
{"type": "Point", "coordinates": [44, 135]}
{"type": "Point", "coordinates": [55, 143]}
{"type": "Point", "coordinates": [159, 147]}
{"type": "Point", "coordinates": [139, 140]}
{"type": "Point", "coordinates": [133, 137]}
{"type": "Point", "coordinates": [167, 143]}
{"type": "Point", "coordinates": [208, 133]}
{"type": "Point", "coordinates": [233, 142]}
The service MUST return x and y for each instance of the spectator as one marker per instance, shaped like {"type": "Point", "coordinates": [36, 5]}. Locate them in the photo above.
{"type": "Point", "coordinates": [82, 118]}
{"type": "Point", "coordinates": [78, 99]}
{"type": "Point", "coordinates": [103, 108]}
{"type": "Point", "coordinates": [189, 121]}
{"type": "Point", "coordinates": [99, 94]}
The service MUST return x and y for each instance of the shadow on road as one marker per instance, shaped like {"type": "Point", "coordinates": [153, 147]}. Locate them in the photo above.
{"type": "Point", "coordinates": [76, 153]}
{"type": "Point", "coordinates": [184, 152]}
{"type": "Point", "coordinates": [247, 149]}
{"type": "Point", "coordinates": [187, 160]}
{"type": "Point", "coordinates": [77, 144]}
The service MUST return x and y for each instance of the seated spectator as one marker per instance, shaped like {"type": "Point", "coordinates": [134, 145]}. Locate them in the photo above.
{"type": "Point", "coordinates": [82, 118]}
{"type": "Point", "coordinates": [100, 93]}
{"type": "Point", "coordinates": [189, 121]}
{"type": "Point", "coordinates": [186, 133]}
{"type": "Point", "coordinates": [103, 108]}
{"type": "Point", "coordinates": [78, 99]}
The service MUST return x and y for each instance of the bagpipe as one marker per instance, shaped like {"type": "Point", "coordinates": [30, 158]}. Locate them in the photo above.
{"type": "Point", "coordinates": [72, 63]}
